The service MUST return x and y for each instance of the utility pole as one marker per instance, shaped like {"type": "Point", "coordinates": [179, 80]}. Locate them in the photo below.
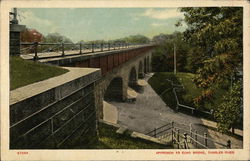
{"type": "Point", "coordinates": [174, 59]}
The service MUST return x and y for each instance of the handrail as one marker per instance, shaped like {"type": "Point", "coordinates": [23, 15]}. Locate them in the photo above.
{"type": "Point", "coordinates": [63, 47]}
{"type": "Point", "coordinates": [176, 98]}
{"type": "Point", "coordinates": [187, 106]}
{"type": "Point", "coordinates": [187, 134]}
{"type": "Point", "coordinates": [163, 131]}
{"type": "Point", "coordinates": [158, 128]}
{"type": "Point", "coordinates": [186, 144]}
{"type": "Point", "coordinates": [198, 142]}
{"type": "Point", "coordinates": [175, 86]}
{"type": "Point", "coordinates": [210, 139]}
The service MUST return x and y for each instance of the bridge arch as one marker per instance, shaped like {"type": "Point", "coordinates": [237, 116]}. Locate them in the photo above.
{"type": "Point", "coordinates": [132, 82]}
{"type": "Point", "coordinates": [114, 91]}
{"type": "Point", "coordinates": [140, 70]}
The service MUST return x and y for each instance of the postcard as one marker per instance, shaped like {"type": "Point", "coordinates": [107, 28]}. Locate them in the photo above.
{"type": "Point", "coordinates": [125, 80]}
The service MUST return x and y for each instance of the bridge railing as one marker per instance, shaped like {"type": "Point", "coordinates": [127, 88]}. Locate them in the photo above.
{"type": "Point", "coordinates": [45, 50]}
{"type": "Point", "coordinates": [184, 135]}
{"type": "Point", "coordinates": [177, 87]}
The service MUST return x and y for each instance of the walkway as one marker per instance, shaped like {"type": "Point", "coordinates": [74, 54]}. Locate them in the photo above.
{"type": "Point", "coordinates": [149, 111]}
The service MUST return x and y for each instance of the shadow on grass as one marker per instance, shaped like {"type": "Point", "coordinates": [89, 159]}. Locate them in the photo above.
{"type": "Point", "coordinates": [109, 139]}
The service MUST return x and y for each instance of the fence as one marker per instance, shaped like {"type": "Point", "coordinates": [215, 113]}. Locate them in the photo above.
{"type": "Point", "coordinates": [79, 48]}
{"type": "Point", "coordinates": [185, 137]}
{"type": "Point", "coordinates": [178, 105]}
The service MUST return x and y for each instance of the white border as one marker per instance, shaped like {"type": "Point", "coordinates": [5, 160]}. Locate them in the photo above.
{"type": "Point", "coordinates": [6, 154]}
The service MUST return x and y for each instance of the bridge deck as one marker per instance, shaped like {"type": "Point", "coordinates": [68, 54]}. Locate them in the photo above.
{"type": "Point", "coordinates": [56, 54]}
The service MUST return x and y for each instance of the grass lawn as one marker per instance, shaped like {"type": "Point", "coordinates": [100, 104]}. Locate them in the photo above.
{"type": "Point", "coordinates": [164, 89]}
{"type": "Point", "coordinates": [24, 72]}
{"type": "Point", "coordinates": [109, 139]}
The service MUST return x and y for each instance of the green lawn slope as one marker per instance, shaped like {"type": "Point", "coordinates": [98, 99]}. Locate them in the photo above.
{"type": "Point", "coordinates": [186, 96]}
{"type": "Point", "coordinates": [24, 72]}
{"type": "Point", "coordinates": [109, 139]}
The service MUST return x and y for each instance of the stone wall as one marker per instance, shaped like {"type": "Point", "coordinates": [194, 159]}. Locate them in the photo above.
{"type": "Point", "coordinates": [61, 117]}
{"type": "Point", "coordinates": [15, 38]}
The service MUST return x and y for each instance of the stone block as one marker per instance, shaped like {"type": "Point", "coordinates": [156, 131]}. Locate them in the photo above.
{"type": "Point", "coordinates": [67, 113]}
{"type": "Point", "coordinates": [44, 114]}
{"type": "Point", "coordinates": [47, 143]}
{"type": "Point", "coordinates": [25, 108]}
{"type": "Point", "coordinates": [16, 28]}
{"type": "Point", "coordinates": [15, 35]}
{"type": "Point", "coordinates": [14, 50]}
{"type": "Point", "coordinates": [39, 133]}
{"type": "Point", "coordinates": [121, 130]}
{"type": "Point", "coordinates": [68, 127]}
{"type": "Point", "coordinates": [67, 88]}
{"type": "Point", "coordinates": [77, 138]}
{"type": "Point", "coordinates": [15, 42]}
{"type": "Point", "coordinates": [33, 137]}
{"type": "Point", "coordinates": [88, 89]}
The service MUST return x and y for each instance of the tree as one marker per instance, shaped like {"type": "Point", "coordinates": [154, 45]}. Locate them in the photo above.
{"type": "Point", "coordinates": [217, 33]}
{"type": "Point", "coordinates": [57, 38]}
{"type": "Point", "coordinates": [136, 39]}
{"type": "Point", "coordinates": [228, 113]}
{"type": "Point", "coordinates": [194, 59]}
{"type": "Point", "coordinates": [163, 56]}
{"type": "Point", "coordinates": [160, 39]}
{"type": "Point", "coordinates": [31, 35]}
{"type": "Point", "coordinates": [159, 60]}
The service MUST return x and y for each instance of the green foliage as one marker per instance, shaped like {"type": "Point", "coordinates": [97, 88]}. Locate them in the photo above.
{"type": "Point", "coordinates": [56, 38]}
{"type": "Point", "coordinates": [109, 139]}
{"type": "Point", "coordinates": [94, 42]}
{"type": "Point", "coordinates": [129, 39]}
{"type": "Point", "coordinates": [136, 39]}
{"type": "Point", "coordinates": [228, 113]}
{"type": "Point", "coordinates": [216, 32]}
{"type": "Point", "coordinates": [159, 61]}
{"type": "Point", "coordinates": [195, 58]}
{"type": "Point", "coordinates": [210, 27]}
{"type": "Point", "coordinates": [186, 96]}
{"type": "Point", "coordinates": [24, 72]}
{"type": "Point", "coordinates": [163, 56]}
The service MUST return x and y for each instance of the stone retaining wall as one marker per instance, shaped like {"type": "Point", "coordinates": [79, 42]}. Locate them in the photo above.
{"type": "Point", "coordinates": [60, 117]}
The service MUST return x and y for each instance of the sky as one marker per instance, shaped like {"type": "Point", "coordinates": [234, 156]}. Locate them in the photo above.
{"type": "Point", "coordinates": [101, 23]}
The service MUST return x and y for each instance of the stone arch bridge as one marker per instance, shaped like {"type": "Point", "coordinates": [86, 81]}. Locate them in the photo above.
{"type": "Point", "coordinates": [61, 110]}
{"type": "Point", "coordinates": [120, 70]}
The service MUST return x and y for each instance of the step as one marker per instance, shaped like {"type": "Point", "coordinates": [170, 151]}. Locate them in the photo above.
{"type": "Point", "coordinates": [121, 130]}
{"type": "Point", "coordinates": [149, 138]}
